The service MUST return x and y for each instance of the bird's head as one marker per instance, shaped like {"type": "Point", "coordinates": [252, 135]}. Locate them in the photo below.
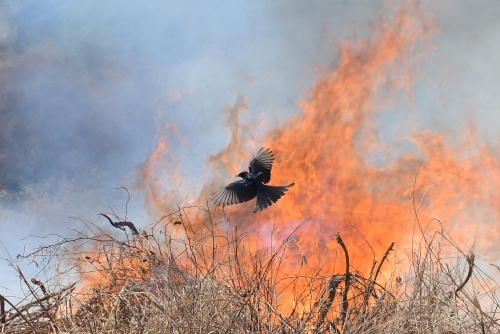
{"type": "Point", "coordinates": [243, 175]}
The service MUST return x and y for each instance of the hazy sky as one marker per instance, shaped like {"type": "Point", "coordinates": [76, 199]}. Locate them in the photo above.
{"type": "Point", "coordinates": [83, 83]}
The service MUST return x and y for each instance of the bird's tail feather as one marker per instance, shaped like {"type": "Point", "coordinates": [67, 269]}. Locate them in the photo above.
{"type": "Point", "coordinates": [267, 195]}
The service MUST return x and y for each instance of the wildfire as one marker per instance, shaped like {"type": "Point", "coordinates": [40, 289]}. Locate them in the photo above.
{"type": "Point", "coordinates": [326, 151]}
{"type": "Point", "coordinates": [312, 254]}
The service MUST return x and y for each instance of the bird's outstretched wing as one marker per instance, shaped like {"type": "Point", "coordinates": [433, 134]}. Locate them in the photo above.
{"type": "Point", "coordinates": [234, 193]}
{"type": "Point", "coordinates": [262, 162]}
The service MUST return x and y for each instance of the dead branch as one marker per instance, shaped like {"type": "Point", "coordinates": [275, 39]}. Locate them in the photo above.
{"type": "Point", "coordinates": [38, 301]}
{"type": "Point", "coordinates": [121, 225]}
{"type": "Point", "coordinates": [47, 314]}
{"type": "Point", "coordinates": [470, 261]}
{"type": "Point", "coordinates": [21, 315]}
{"type": "Point", "coordinates": [324, 307]}
{"type": "Point", "coordinates": [382, 261]}
{"type": "Point", "coordinates": [345, 305]}
{"type": "Point", "coordinates": [2, 310]}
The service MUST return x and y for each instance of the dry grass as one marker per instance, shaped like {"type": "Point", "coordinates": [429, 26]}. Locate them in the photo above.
{"type": "Point", "coordinates": [204, 281]}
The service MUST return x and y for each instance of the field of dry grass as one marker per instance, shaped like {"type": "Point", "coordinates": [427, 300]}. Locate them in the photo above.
{"type": "Point", "coordinates": [203, 281]}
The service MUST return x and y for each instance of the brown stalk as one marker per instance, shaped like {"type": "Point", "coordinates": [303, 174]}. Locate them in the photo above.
{"type": "Point", "coordinates": [21, 315]}
{"type": "Point", "coordinates": [470, 261]}
{"type": "Point", "coordinates": [382, 261]}
{"type": "Point", "coordinates": [40, 300]}
{"type": "Point", "coordinates": [2, 310]}
{"type": "Point", "coordinates": [343, 314]}
{"type": "Point", "coordinates": [333, 283]}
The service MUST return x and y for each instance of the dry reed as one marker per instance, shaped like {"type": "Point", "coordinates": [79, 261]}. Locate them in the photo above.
{"type": "Point", "coordinates": [202, 282]}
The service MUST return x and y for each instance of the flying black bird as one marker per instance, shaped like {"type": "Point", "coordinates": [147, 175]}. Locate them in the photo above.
{"type": "Point", "coordinates": [121, 225]}
{"type": "Point", "coordinates": [253, 184]}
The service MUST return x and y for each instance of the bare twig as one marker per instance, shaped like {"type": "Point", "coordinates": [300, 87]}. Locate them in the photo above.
{"type": "Point", "coordinates": [128, 200]}
{"type": "Point", "coordinates": [470, 261]}
{"type": "Point", "coordinates": [21, 315]}
{"type": "Point", "coordinates": [377, 272]}
{"type": "Point", "coordinates": [333, 283]}
{"type": "Point", "coordinates": [2, 310]}
{"type": "Point", "coordinates": [345, 305]}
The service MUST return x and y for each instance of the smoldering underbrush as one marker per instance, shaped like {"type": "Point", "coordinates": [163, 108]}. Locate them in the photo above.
{"type": "Point", "coordinates": [192, 273]}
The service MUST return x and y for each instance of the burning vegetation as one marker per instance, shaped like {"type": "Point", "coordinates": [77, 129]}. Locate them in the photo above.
{"type": "Point", "coordinates": [208, 280]}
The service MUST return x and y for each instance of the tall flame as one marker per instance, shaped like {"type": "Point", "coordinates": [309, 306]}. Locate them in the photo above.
{"type": "Point", "coordinates": [326, 151]}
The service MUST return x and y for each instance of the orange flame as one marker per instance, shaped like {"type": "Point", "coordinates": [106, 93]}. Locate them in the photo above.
{"type": "Point", "coordinates": [161, 167]}
{"type": "Point", "coordinates": [326, 152]}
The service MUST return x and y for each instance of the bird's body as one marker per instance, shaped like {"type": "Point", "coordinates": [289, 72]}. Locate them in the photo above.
{"type": "Point", "coordinates": [253, 184]}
